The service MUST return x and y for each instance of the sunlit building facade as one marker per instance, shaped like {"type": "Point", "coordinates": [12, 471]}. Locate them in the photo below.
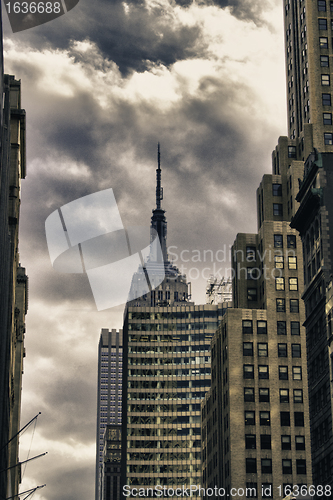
{"type": "Point", "coordinates": [255, 418]}
{"type": "Point", "coordinates": [166, 375]}
{"type": "Point", "coordinates": [309, 50]}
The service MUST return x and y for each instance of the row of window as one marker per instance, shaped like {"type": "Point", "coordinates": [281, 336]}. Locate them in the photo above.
{"type": "Point", "coordinates": [278, 241]}
{"type": "Point", "coordinates": [322, 24]}
{"type": "Point", "coordinates": [266, 466]}
{"type": "Point", "coordinates": [263, 350]}
{"type": "Point", "coordinates": [249, 395]}
{"type": "Point", "coordinates": [263, 372]}
{"type": "Point", "coordinates": [252, 296]}
{"type": "Point", "coordinates": [266, 442]}
{"type": "Point", "coordinates": [281, 305]}
{"type": "Point", "coordinates": [322, 5]}
{"type": "Point", "coordinates": [247, 326]}
{"type": "Point", "coordinates": [279, 262]}
{"type": "Point", "coordinates": [265, 418]}
{"type": "Point", "coordinates": [172, 315]}
{"type": "Point", "coordinates": [280, 284]}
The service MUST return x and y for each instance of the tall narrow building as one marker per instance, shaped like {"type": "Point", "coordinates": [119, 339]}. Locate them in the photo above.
{"type": "Point", "coordinates": [255, 418]}
{"type": "Point", "coordinates": [166, 374]}
{"type": "Point", "coordinates": [309, 50]}
{"type": "Point", "coordinates": [109, 412]}
{"type": "Point", "coordinates": [13, 281]}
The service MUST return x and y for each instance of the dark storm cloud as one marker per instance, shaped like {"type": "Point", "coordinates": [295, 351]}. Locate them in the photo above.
{"type": "Point", "coordinates": [205, 144]}
{"type": "Point", "coordinates": [133, 40]}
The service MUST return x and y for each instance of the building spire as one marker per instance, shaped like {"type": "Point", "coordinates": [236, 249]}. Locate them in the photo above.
{"type": "Point", "coordinates": [158, 220]}
{"type": "Point", "coordinates": [159, 189]}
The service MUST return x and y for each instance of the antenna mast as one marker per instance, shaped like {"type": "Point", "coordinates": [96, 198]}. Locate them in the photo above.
{"type": "Point", "coordinates": [159, 189]}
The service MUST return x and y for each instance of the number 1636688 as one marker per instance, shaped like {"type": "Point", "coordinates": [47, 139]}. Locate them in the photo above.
{"type": "Point", "coordinates": [33, 7]}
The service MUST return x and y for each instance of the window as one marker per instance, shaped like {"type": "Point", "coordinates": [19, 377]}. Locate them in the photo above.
{"type": "Point", "coordinates": [300, 442]}
{"type": "Point", "coordinates": [283, 372]}
{"type": "Point", "coordinates": [266, 466]}
{"type": "Point", "coordinates": [265, 442]}
{"type": "Point", "coordinates": [280, 305]}
{"type": "Point", "coordinates": [294, 328]}
{"type": "Point", "coordinates": [265, 418]}
{"type": "Point", "coordinates": [282, 350]}
{"type": "Point", "coordinates": [279, 283]}
{"type": "Point", "coordinates": [325, 80]}
{"type": "Point", "coordinates": [298, 396]}
{"type": "Point", "coordinates": [296, 350]}
{"type": "Point", "coordinates": [263, 372]}
{"type": "Point", "coordinates": [247, 348]}
{"type": "Point", "coordinates": [293, 284]}
{"type": "Point", "coordinates": [277, 209]}
{"type": "Point", "coordinates": [249, 417]}
{"type": "Point", "coordinates": [261, 327]}
{"type": "Point", "coordinates": [262, 350]}
{"type": "Point", "coordinates": [291, 241]}
{"type": "Point", "coordinates": [278, 261]}
{"type": "Point", "coordinates": [250, 441]}
{"type": "Point", "coordinates": [297, 373]}
{"type": "Point", "coordinates": [324, 61]}
{"type": "Point", "coordinates": [251, 465]}
{"type": "Point", "coordinates": [291, 151]}
{"type": "Point", "coordinates": [263, 395]}
{"type": "Point", "coordinates": [250, 254]}
{"type": "Point", "coordinates": [248, 371]}
{"type": "Point", "coordinates": [294, 307]}
{"type": "Point", "coordinates": [278, 241]}
{"type": "Point", "coordinates": [285, 443]}
{"type": "Point", "coordinates": [281, 328]}
{"type": "Point", "coordinates": [286, 466]}
{"type": "Point", "coordinates": [323, 42]}
{"type": "Point", "coordinates": [249, 394]}
{"type": "Point", "coordinates": [299, 419]}
{"type": "Point", "coordinates": [284, 395]}
{"type": "Point", "coordinates": [322, 5]}
{"type": "Point", "coordinates": [327, 118]}
{"type": "Point", "coordinates": [247, 326]}
{"type": "Point", "coordinates": [300, 466]}
{"type": "Point", "coordinates": [285, 418]}
{"type": "Point", "coordinates": [326, 99]}
{"type": "Point", "coordinates": [252, 273]}
{"type": "Point", "coordinates": [277, 189]}
{"type": "Point", "coordinates": [328, 139]}
{"type": "Point", "coordinates": [322, 24]}
{"type": "Point", "coordinates": [292, 262]}
{"type": "Point", "coordinates": [252, 294]}
{"type": "Point", "coordinates": [331, 6]}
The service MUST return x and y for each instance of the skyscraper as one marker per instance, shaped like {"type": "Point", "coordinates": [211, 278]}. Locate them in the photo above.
{"type": "Point", "coordinates": [308, 41]}
{"type": "Point", "coordinates": [256, 432]}
{"type": "Point", "coordinates": [109, 409]}
{"type": "Point", "coordinates": [166, 374]}
{"type": "Point", "coordinates": [13, 281]}
{"type": "Point", "coordinates": [309, 51]}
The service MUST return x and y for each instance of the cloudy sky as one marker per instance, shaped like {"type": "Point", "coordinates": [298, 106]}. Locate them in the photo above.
{"type": "Point", "coordinates": [101, 86]}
